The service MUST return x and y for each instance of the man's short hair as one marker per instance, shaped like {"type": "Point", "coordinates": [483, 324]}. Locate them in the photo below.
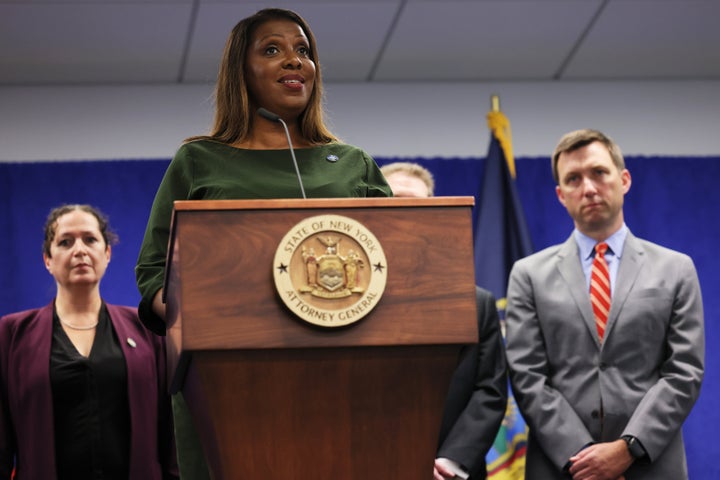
{"type": "Point", "coordinates": [414, 169]}
{"type": "Point", "coordinates": [571, 141]}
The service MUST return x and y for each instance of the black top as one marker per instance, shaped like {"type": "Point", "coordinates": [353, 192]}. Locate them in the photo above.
{"type": "Point", "coordinates": [90, 402]}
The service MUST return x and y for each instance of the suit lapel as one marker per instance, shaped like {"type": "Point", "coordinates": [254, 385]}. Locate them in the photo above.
{"type": "Point", "coordinates": [630, 265]}
{"type": "Point", "coordinates": [128, 343]}
{"type": "Point", "coordinates": [571, 271]}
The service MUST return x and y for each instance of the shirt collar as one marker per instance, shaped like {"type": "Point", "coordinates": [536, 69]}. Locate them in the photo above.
{"type": "Point", "coordinates": [616, 242]}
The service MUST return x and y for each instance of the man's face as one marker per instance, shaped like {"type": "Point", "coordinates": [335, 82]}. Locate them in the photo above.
{"type": "Point", "coordinates": [405, 185]}
{"type": "Point", "coordinates": [592, 189]}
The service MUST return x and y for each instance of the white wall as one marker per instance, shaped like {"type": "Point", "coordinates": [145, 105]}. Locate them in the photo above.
{"type": "Point", "coordinates": [390, 119]}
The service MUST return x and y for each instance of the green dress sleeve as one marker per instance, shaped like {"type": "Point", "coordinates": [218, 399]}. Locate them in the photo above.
{"type": "Point", "coordinates": [150, 268]}
{"type": "Point", "coordinates": [376, 184]}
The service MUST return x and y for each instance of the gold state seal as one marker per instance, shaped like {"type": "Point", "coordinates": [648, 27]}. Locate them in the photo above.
{"type": "Point", "coordinates": [330, 270]}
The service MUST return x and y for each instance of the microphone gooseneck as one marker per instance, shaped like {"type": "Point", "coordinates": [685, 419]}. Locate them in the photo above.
{"type": "Point", "coordinates": [276, 118]}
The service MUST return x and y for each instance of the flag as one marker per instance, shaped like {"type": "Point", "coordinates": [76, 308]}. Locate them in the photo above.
{"type": "Point", "coordinates": [501, 233]}
{"type": "Point", "coordinates": [501, 238]}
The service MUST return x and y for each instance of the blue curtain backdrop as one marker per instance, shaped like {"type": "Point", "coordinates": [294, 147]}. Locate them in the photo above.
{"type": "Point", "coordinates": [672, 201]}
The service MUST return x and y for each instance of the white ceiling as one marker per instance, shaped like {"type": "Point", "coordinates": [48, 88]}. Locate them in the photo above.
{"type": "Point", "coordinates": [57, 42]}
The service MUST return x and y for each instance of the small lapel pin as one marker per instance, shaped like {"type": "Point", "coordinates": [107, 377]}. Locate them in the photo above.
{"type": "Point", "coordinates": [332, 158]}
{"type": "Point", "coordinates": [131, 342]}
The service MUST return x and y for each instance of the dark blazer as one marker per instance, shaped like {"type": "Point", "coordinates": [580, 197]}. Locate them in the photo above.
{"type": "Point", "coordinates": [643, 379]}
{"type": "Point", "coordinates": [477, 398]}
{"type": "Point", "coordinates": [26, 409]}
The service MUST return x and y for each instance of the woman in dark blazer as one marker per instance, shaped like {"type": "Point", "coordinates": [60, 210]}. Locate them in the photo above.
{"type": "Point", "coordinates": [82, 382]}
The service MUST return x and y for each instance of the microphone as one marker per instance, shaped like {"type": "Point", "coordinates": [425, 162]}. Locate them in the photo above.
{"type": "Point", "coordinates": [268, 115]}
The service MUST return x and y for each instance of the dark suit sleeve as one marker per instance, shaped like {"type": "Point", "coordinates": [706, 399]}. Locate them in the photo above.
{"type": "Point", "coordinates": [477, 398]}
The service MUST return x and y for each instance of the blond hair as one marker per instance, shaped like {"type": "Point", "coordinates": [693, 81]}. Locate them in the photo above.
{"type": "Point", "coordinates": [413, 169]}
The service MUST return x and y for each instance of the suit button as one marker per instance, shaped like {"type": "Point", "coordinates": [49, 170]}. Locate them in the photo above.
{"type": "Point", "coordinates": [603, 366]}
{"type": "Point", "coordinates": [595, 414]}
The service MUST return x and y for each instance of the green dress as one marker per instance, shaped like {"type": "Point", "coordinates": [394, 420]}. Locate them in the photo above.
{"type": "Point", "coordinates": [207, 170]}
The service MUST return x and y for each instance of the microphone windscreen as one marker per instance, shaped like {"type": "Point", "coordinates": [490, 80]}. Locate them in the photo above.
{"type": "Point", "coordinates": [268, 115]}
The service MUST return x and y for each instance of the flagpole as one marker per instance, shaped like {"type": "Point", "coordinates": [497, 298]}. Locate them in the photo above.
{"type": "Point", "coordinates": [501, 237]}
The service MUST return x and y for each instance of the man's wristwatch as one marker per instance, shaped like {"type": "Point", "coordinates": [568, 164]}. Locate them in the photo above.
{"type": "Point", "coordinates": [636, 450]}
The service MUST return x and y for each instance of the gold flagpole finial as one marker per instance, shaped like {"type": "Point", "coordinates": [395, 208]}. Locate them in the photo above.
{"type": "Point", "coordinates": [494, 103]}
{"type": "Point", "coordinates": [500, 126]}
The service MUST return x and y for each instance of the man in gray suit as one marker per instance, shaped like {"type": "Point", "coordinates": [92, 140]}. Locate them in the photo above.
{"type": "Point", "coordinates": [605, 395]}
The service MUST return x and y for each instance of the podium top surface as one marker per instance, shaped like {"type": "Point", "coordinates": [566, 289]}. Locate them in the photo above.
{"type": "Point", "coordinates": [298, 203]}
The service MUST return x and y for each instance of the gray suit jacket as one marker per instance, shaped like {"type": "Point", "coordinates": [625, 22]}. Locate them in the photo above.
{"type": "Point", "coordinates": [642, 381]}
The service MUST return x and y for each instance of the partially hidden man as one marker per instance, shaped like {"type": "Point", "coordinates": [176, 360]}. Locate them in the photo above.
{"type": "Point", "coordinates": [477, 396]}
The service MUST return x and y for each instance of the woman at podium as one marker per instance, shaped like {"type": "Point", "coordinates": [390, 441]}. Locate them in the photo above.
{"type": "Point", "coordinates": [268, 140]}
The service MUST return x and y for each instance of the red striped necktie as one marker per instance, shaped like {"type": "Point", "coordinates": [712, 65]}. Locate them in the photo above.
{"type": "Point", "coordinates": [600, 288]}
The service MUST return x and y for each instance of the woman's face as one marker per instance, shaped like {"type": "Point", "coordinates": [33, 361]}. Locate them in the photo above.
{"type": "Point", "coordinates": [79, 255]}
{"type": "Point", "coordinates": [280, 73]}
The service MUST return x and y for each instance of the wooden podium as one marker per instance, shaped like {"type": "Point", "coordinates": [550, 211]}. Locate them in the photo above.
{"type": "Point", "coordinates": [277, 398]}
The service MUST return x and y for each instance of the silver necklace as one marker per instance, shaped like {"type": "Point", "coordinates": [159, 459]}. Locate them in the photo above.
{"type": "Point", "coordinates": [75, 327]}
